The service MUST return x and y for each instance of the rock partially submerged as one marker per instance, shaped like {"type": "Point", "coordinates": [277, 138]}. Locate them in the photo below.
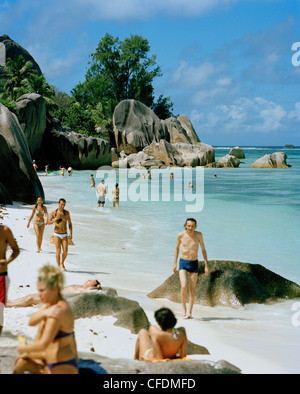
{"type": "Point", "coordinates": [274, 160]}
{"type": "Point", "coordinates": [233, 284]}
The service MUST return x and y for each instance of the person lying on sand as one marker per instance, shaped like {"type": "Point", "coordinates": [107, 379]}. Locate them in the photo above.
{"type": "Point", "coordinates": [161, 343]}
{"type": "Point", "coordinates": [34, 299]}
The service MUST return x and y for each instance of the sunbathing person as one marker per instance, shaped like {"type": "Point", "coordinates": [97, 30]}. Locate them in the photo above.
{"type": "Point", "coordinates": [161, 343]}
{"type": "Point", "coordinates": [34, 299]}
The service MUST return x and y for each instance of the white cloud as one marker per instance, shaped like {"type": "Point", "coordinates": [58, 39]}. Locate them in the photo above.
{"type": "Point", "coordinates": [242, 116]}
{"type": "Point", "coordinates": [295, 114]}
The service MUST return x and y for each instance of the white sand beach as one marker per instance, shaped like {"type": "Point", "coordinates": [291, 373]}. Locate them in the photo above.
{"type": "Point", "coordinates": [233, 335]}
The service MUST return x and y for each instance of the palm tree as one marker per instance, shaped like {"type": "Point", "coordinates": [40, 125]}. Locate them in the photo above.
{"type": "Point", "coordinates": [16, 71]}
{"type": "Point", "coordinates": [35, 83]}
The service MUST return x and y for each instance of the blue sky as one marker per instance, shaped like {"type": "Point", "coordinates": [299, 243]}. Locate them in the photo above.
{"type": "Point", "coordinates": [226, 64]}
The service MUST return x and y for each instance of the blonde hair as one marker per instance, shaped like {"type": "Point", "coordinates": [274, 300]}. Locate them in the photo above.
{"type": "Point", "coordinates": [51, 276]}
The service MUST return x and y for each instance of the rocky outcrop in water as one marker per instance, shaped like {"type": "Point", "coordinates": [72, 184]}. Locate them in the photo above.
{"type": "Point", "coordinates": [232, 284]}
{"type": "Point", "coordinates": [274, 160]}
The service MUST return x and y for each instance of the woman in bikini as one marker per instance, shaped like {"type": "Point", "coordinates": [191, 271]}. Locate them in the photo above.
{"type": "Point", "coordinates": [54, 348]}
{"type": "Point", "coordinates": [161, 343]}
{"type": "Point", "coordinates": [40, 220]}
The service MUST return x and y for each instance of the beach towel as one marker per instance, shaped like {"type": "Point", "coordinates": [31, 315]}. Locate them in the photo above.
{"type": "Point", "coordinates": [2, 289]}
{"type": "Point", "coordinates": [3, 278]}
{"type": "Point", "coordinates": [90, 367]}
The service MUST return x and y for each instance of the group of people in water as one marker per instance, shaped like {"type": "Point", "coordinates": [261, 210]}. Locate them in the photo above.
{"type": "Point", "coordinates": [53, 350]}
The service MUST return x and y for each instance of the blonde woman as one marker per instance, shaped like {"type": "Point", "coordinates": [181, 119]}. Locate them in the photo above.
{"type": "Point", "coordinates": [40, 221]}
{"type": "Point", "coordinates": [55, 343]}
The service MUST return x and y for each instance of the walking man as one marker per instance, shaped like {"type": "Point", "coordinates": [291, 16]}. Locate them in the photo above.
{"type": "Point", "coordinates": [61, 218]}
{"type": "Point", "coordinates": [188, 242]}
{"type": "Point", "coordinates": [6, 238]}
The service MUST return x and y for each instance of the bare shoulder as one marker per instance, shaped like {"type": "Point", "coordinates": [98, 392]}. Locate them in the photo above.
{"type": "Point", "coordinates": [198, 234]}
{"type": "Point", "coordinates": [180, 235]}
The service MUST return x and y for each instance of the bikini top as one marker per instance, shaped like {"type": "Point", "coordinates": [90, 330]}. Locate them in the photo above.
{"type": "Point", "coordinates": [62, 334]}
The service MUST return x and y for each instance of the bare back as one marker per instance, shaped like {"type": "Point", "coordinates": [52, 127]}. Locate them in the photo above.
{"type": "Point", "coordinates": [170, 343]}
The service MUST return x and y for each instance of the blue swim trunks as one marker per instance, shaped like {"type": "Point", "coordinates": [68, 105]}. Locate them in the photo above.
{"type": "Point", "coordinates": [188, 265]}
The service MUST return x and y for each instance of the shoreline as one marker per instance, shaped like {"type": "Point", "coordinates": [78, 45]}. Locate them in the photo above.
{"type": "Point", "coordinates": [227, 334]}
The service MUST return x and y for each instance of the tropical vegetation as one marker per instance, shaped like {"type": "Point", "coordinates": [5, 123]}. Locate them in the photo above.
{"type": "Point", "coordinates": [118, 70]}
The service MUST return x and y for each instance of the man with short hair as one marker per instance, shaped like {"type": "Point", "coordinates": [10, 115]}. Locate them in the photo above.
{"type": "Point", "coordinates": [101, 191]}
{"type": "Point", "coordinates": [188, 241]}
{"type": "Point", "coordinates": [6, 238]}
{"type": "Point", "coordinates": [61, 218]}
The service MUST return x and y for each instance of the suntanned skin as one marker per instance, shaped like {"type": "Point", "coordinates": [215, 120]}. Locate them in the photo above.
{"type": "Point", "coordinates": [7, 238]}
{"type": "Point", "coordinates": [101, 189]}
{"type": "Point", "coordinates": [61, 228]}
{"type": "Point", "coordinates": [34, 299]}
{"type": "Point", "coordinates": [162, 344]}
{"type": "Point", "coordinates": [188, 242]}
{"type": "Point", "coordinates": [39, 211]}
{"type": "Point", "coordinates": [54, 315]}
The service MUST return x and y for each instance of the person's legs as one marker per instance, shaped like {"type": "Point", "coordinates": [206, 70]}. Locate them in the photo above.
{"type": "Point", "coordinates": [183, 284]}
{"type": "Point", "coordinates": [58, 243]}
{"type": "Point", "coordinates": [37, 233]}
{"type": "Point", "coordinates": [64, 243]}
{"type": "Point", "coordinates": [143, 347]}
{"type": "Point", "coordinates": [192, 279]}
{"type": "Point", "coordinates": [42, 229]}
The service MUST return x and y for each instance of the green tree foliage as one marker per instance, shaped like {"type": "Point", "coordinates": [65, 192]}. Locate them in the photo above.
{"type": "Point", "coordinates": [20, 78]}
{"type": "Point", "coordinates": [118, 70]}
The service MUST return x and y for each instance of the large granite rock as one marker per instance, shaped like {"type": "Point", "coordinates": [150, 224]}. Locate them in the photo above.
{"type": "Point", "coordinates": [16, 171]}
{"type": "Point", "coordinates": [181, 154]}
{"type": "Point", "coordinates": [128, 313]}
{"type": "Point", "coordinates": [13, 49]}
{"type": "Point", "coordinates": [232, 284]}
{"type": "Point", "coordinates": [136, 126]}
{"type": "Point", "coordinates": [274, 160]}
{"type": "Point", "coordinates": [188, 126]}
{"type": "Point", "coordinates": [127, 366]}
{"type": "Point", "coordinates": [62, 146]}
{"type": "Point", "coordinates": [229, 161]}
{"type": "Point", "coordinates": [31, 113]}
{"type": "Point", "coordinates": [237, 152]}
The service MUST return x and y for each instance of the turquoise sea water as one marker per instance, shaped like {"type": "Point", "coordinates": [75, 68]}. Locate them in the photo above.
{"type": "Point", "coordinates": [250, 215]}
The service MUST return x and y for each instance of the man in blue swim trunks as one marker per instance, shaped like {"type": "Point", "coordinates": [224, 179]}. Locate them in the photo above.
{"type": "Point", "coordinates": [188, 242]}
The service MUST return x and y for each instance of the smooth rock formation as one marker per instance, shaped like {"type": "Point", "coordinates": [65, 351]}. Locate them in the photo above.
{"type": "Point", "coordinates": [181, 154]}
{"type": "Point", "coordinates": [229, 161]}
{"type": "Point", "coordinates": [16, 171]}
{"type": "Point", "coordinates": [232, 284]}
{"type": "Point", "coordinates": [136, 126]}
{"type": "Point", "coordinates": [13, 49]}
{"type": "Point", "coordinates": [188, 126]}
{"type": "Point", "coordinates": [237, 152]}
{"type": "Point", "coordinates": [128, 313]}
{"type": "Point", "coordinates": [31, 113]}
{"type": "Point", "coordinates": [74, 149]}
{"type": "Point", "coordinates": [128, 366]}
{"type": "Point", "coordinates": [274, 160]}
